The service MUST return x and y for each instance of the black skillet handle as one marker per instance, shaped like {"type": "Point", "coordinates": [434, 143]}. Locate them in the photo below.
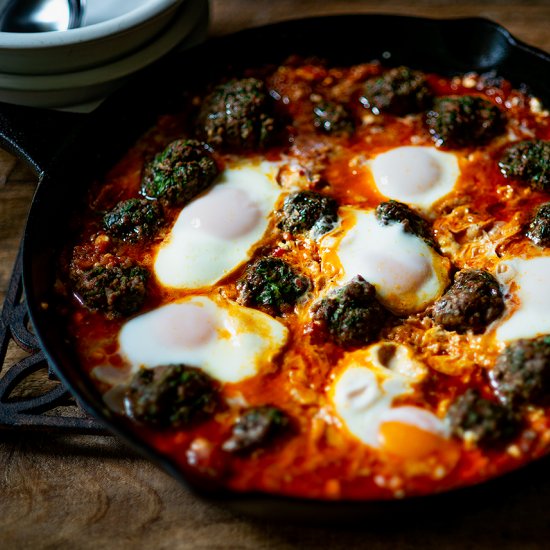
{"type": "Point", "coordinates": [37, 135]}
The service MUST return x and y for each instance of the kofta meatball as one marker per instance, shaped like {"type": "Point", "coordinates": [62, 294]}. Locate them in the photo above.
{"type": "Point", "coordinates": [332, 118]}
{"type": "Point", "coordinates": [115, 290]}
{"type": "Point", "coordinates": [478, 420]}
{"type": "Point", "coordinates": [464, 121]}
{"type": "Point", "coordinates": [539, 228]}
{"type": "Point", "coordinates": [472, 302]}
{"type": "Point", "coordinates": [237, 115]}
{"type": "Point", "coordinates": [308, 212]}
{"type": "Point", "coordinates": [522, 372]}
{"type": "Point", "coordinates": [399, 91]}
{"type": "Point", "coordinates": [271, 285]}
{"type": "Point", "coordinates": [134, 219]}
{"type": "Point", "coordinates": [178, 174]}
{"type": "Point", "coordinates": [529, 162]}
{"type": "Point", "coordinates": [396, 212]}
{"type": "Point", "coordinates": [170, 396]}
{"type": "Point", "coordinates": [351, 315]}
{"type": "Point", "coordinates": [256, 427]}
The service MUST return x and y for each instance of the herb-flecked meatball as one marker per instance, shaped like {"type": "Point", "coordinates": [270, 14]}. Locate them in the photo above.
{"type": "Point", "coordinates": [539, 228]}
{"type": "Point", "coordinates": [332, 118]}
{"type": "Point", "coordinates": [272, 285]}
{"type": "Point", "coordinates": [255, 428]}
{"type": "Point", "coordinates": [397, 212]}
{"type": "Point", "coordinates": [464, 121]}
{"type": "Point", "coordinates": [237, 116]}
{"type": "Point", "coordinates": [307, 211]}
{"type": "Point", "coordinates": [134, 219]}
{"type": "Point", "coordinates": [529, 162]}
{"type": "Point", "coordinates": [180, 172]}
{"type": "Point", "coordinates": [114, 290]}
{"type": "Point", "coordinates": [351, 315]}
{"type": "Point", "coordinates": [472, 302]}
{"type": "Point", "coordinates": [522, 372]}
{"type": "Point", "coordinates": [170, 396]}
{"type": "Point", "coordinates": [481, 421]}
{"type": "Point", "coordinates": [399, 91]}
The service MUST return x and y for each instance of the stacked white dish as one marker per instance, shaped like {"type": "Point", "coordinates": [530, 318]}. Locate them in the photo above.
{"type": "Point", "coordinates": [77, 68]}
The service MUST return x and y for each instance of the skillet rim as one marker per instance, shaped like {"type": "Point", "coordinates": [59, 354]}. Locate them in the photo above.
{"type": "Point", "coordinates": [250, 502]}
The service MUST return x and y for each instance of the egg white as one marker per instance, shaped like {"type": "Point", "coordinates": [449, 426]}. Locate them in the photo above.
{"type": "Point", "coordinates": [214, 233]}
{"type": "Point", "coordinates": [229, 342]}
{"type": "Point", "coordinates": [418, 176]}
{"type": "Point", "coordinates": [364, 391]}
{"type": "Point", "coordinates": [527, 284]}
{"type": "Point", "coordinates": [407, 273]}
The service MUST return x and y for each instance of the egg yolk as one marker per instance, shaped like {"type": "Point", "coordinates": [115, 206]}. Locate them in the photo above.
{"type": "Point", "coordinates": [224, 213]}
{"type": "Point", "coordinates": [411, 169]}
{"type": "Point", "coordinates": [185, 326]}
{"type": "Point", "coordinates": [408, 441]}
{"type": "Point", "coordinates": [415, 175]}
{"type": "Point", "coordinates": [397, 275]}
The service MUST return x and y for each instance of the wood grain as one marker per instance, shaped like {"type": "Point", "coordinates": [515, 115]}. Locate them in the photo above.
{"type": "Point", "coordinates": [94, 492]}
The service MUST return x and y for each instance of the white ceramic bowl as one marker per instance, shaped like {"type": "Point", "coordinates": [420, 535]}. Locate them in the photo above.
{"type": "Point", "coordinates": [84, 47]}
{"type": "Point", "coordinates": [188, 27]}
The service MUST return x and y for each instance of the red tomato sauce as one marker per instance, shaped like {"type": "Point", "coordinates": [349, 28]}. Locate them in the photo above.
{"type": "Point", "coordinates": [319, 457]}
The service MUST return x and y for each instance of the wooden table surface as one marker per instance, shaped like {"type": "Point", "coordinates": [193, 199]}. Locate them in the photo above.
{"type": "Point", "coordinates": [93, 492]}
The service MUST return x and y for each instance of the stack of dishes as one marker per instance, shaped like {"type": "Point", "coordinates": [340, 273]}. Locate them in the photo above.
{"type": "Point", "coordinates": [76, 68]}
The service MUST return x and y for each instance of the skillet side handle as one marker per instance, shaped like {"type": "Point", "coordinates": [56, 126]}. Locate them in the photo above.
{"type": "Point", "coordinates": [36, 135]}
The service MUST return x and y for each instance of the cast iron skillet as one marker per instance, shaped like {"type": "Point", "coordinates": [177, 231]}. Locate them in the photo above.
{"type": "Point", "coordinates": [69, 151]}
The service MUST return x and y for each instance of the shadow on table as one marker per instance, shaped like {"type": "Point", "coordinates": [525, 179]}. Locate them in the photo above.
{"type": "Point", "coordinates": [51, 444]}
